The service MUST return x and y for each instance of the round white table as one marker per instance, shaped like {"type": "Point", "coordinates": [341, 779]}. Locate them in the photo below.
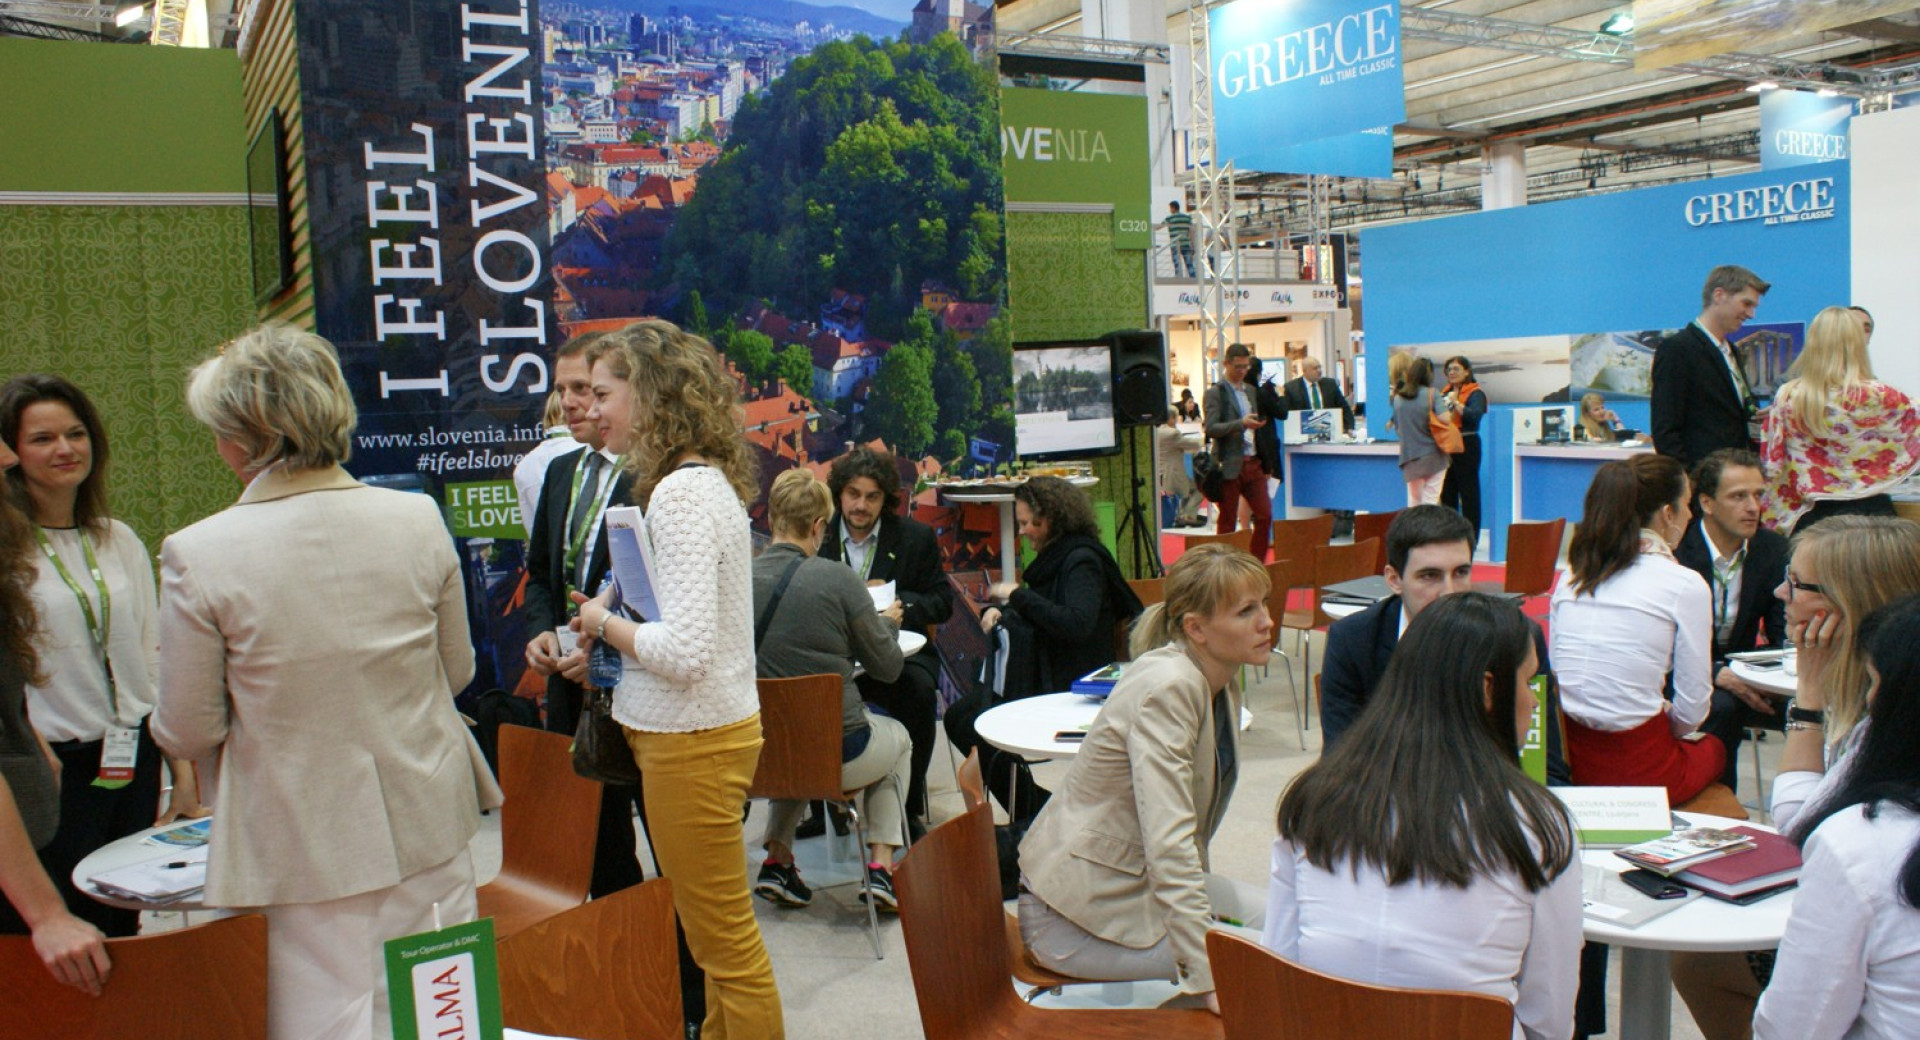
{"type": "Point", "coordinates": [1002, 496]}
{"type": "Point", "coordinates": [1027, 726]}
{"type": "Point", "coordinates": [1341, 610]}
{"type": "Point", "coordinates": [1703, 925]}
{"type": "Point", "coordinates": [1776, 680]}
{"type": "Point", "coordinates": [911, 643]}
{"type": "Point", "coordinates": [124, 852]}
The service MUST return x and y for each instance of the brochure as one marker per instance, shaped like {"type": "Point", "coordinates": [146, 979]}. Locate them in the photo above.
{"type": "Point", "coordinates": [631, 554]}
{"type": "Point", "coordinates": [1689, 848]}
{"type": "Point", "coordinates": [1099, 682]}
{"type": "Point", "coordinates": [189, 835]}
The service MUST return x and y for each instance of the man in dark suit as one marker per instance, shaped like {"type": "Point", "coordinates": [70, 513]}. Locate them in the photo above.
{"type": "Point", "coordinates": [869, 534]}
{"type": "Point", "coordinates": [1241, 437]}
{"type": "Point", "coordinates": [568, 552]}
{"type": "Point", "coordinates": [1742, 563]}
{"type": "Point", "coordinates": [1429, 555]}
{"type": "Point", "coordinates": [1312, 391]}
{"type": "Point", "coordinates": [1701, 400]}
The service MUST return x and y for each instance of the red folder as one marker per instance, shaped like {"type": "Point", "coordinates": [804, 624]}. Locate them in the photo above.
{"type": "Point", "coordinates": [1773, 862]}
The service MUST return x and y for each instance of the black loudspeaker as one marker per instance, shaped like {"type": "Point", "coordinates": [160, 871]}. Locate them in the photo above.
{"type": "Point", "coordinates": [1139, 377]}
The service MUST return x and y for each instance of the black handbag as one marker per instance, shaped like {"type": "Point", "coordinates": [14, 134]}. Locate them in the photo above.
{"type": "Point", "coordinates": [600, 750]}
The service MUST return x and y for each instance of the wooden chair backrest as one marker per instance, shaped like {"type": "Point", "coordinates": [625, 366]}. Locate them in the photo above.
{"type": "Point", "coordinates": [604, 970]}
{"type": "Point", "coordinates": [1333, 564]}
{"type": "Point", "coordinates": [1265, 997]}
{"type": "Point", "coordinates": [1533, 553]}
{"type": "Point", "coordinates": [1150, 590]}
{"type": "Point", "coordinates": [973, 788]}
{"type": "Point", "coordinates": [1297, 539]}
{"type": "Point", "coordinates": [1280, 582]}
{"type": "Point", "coordinates": [1241, 539]}
{"type": "Point", "coordinates": [955, 928]}
{"type": "Point", "coordinates": [1374, 525]}
{"type": "Point", "coordinates": [801, 723]}
{"type": "Point", "coordinates": [551, 813]}
{"type": "Point", "coordinates": [207, 982]}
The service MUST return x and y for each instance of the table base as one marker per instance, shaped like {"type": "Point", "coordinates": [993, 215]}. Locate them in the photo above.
{"type": "Point", "coordinates": [1646, 994]}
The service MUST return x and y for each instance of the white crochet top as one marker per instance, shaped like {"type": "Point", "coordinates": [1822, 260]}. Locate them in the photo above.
{"type": "Point", "coordinates": [692, 668]}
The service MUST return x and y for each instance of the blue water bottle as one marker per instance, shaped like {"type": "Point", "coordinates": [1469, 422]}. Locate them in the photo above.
{"type": "Point", "coordinates": [603, 660]}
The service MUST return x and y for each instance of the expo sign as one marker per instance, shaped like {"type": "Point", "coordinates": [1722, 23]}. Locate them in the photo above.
{"type": "Point", "coordinates": [1353, 45]}
{"type": "Point", "coordinates": [1790, 203]}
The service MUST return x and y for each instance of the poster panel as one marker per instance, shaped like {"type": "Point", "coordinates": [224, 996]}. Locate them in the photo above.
{"type": "Point", "coordinates": [1289, 71]}
{"type": "Point", "coordinates": [1071, 147]}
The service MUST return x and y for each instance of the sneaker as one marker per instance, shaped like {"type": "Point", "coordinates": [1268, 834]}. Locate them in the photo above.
{"type": "Point", "coordinates": [780, 884]}
{"type": "Point", "coordinates": [880, 883]}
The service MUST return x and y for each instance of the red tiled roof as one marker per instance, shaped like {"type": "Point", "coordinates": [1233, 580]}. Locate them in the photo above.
{"type": "Point", "coordinates": [967, 317]}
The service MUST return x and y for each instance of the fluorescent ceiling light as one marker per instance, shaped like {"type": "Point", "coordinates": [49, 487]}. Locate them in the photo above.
{"type": "Point", "coordinates": [1763, 85]}
{"type": "Point", "coordinates": [1621, 24]}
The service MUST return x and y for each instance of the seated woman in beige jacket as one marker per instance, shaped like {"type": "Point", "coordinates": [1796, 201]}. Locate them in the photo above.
{"type": "Point", "coordinates": [1114, 868]}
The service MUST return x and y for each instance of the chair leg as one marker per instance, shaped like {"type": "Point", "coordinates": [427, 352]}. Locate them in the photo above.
{"type": "Point", "coordinates": [866, 887]}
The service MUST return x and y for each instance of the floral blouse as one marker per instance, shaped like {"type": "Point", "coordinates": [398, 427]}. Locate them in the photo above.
{"type": "Point", "coordinates": [1872, 443]}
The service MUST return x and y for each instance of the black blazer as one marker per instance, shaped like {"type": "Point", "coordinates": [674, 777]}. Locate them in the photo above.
{"type": "Point", "coordinates": [1696, 410]}
{"type": "Point", "coordinates": [1356, 656]}
{"type": "Point", "coordinates": [1330, 397]}
{"type": "Point", "coordinates": [1760, 610]}
{"type": "Point", "coordinates": [547, 547]}
{"type": "Point", "coordinates": [909, 556]}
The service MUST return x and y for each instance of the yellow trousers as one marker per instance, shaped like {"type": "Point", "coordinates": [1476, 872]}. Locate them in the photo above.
{"type": "Point", "coordinates": [695, 784]}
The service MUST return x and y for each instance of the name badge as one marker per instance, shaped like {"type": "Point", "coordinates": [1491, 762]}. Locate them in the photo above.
{"type": "Point", "coordinates": [119, 750]}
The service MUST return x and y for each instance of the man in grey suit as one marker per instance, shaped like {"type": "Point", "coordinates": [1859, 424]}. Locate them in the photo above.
{"type": "Point", "coordinates": [1234, 420]}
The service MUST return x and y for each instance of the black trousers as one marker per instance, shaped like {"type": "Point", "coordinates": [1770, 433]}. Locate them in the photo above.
{"type": "Point", "coordinates": [913, 700]}
{"type": "Point", "coordinates": [93, 816]}
{"type": "Point", "coordinates": [1461, 489]}
{"type": "Point", "coordinates": [1727, 721]}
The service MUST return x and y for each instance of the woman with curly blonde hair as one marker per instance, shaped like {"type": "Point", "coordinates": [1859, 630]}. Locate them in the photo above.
{"type": "Point", "coordinates": [686, 695]}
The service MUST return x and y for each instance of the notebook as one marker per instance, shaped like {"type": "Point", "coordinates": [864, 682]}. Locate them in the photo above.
{"type": "Point", "coordinates": [1773, 862]}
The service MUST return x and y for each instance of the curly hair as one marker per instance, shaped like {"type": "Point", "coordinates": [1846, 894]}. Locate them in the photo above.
{"type": "Point", "coordinates": [1065, 508]}
{"type": "Point", "coordinates": [18, 622]}
{"type": "Point", "coordinates": [876, 466]}
{"type": "Point", "coordinates": [22, 392]}
{"type": "Point", "coordinates": [684, 403]}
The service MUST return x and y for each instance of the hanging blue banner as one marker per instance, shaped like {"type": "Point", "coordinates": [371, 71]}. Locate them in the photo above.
{"type": "Point", "coordinates": [1368, 153]}
{"type": "Point", "coordinates": [1290, 71]}
{"type": "Point", "coordinates": [1798, 127]}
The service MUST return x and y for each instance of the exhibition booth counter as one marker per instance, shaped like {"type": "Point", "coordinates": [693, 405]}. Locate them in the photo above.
{"type": "Point", "coordinates": [1550, 480]}
{"type": "Point", "coordinates": [1361, 476]}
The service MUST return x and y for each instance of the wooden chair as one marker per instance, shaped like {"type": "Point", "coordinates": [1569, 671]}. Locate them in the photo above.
{"type": "Point", "coordinates": [547, 831]}
{"type": "Point", "coordinates": [207, 982]}
{"type": "Point", "coordinates": [1264, 996]}
{"type": "Point", "coordinates": [1715, 800]}
{"type": "Point", "coordinates": [801, 722]}
{"type": "Point", "coordinates": [1241, 539]}
{"type": "Point", "coordinates": [1368, 526]}
{"type": "Point", "coordinates": [1150, 590]}
{"type": "Point", "coordinates": [1533, 557]}
{"type": "Point", "coordinates": [973, 794]}
{"type": "Point", "coordinates": [605, 970]}
{"type": "Point", "coordinates": [1332, 564]}
{"type": "Point", "coordinates": [1280, 584]}
{"type": "Point", "coordinates": [1297, 539]}
{"type": "Point", "coordinates": [955, 933]}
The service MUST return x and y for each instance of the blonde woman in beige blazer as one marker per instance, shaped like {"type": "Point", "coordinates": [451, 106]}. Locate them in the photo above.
{"type": "Point", "coordinates": [312, 637]}
{"type": "Point", "coordinates": [1114, 868]}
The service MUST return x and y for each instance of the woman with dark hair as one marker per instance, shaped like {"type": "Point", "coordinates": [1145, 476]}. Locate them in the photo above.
{"type": "Point", "coordinates": [99, 639]}
{"type": "Point", "coordinates": [1631, 619]}
{"type": "Point", "coordinates": [1464, 404]}
{"type": "Point", "coordinates": [1421, 460]}
{"type": "Point", "coordinates": [72, 949]}
{"type": "Point", "coordinates": [1055, 626]}
{"type": "Point", "coordinates": [1417, 852]}
{"type": "Point", "coordinates": [1849, 964]}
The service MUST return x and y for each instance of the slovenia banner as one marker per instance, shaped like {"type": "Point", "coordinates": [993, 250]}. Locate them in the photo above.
{"type": "Point", "coordinates": [1290, 71]}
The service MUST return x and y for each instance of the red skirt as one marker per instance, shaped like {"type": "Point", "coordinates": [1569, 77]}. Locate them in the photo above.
{"type": "Point", "coordinates": [1648, 755]}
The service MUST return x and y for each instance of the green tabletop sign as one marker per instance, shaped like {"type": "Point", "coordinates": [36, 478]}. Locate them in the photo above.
{"type": "Point", "coordinates": [485, 509]}
{"type": "Point", "coordinates": [445, 985]}
{"type": "Point", "coordinates": [1533, 743]}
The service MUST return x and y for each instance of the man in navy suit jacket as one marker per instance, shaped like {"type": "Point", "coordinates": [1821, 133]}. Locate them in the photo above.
{"type": "Point", "coordinates": [1701, 400]}
{"type": "Point", "coordinates": [1742, 563]}
{"type": "Point", "coordinates": [1429, 555]}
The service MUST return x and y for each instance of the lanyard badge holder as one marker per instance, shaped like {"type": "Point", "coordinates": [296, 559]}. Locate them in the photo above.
{"type": "Point", "coordinates": [120, 747]}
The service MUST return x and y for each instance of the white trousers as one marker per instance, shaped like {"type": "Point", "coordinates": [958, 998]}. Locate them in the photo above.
{"type": "Point", "coordinates": [326, 967]}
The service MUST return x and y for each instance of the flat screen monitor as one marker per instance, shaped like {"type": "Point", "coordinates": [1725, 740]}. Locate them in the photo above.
{"type": "Point", "coordinates": [269, 227]}
{"type": "Point", "coordinates": [1063, 401]}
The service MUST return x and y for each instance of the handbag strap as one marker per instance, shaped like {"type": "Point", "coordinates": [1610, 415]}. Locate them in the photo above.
{"type": "Point", "coordinates": [766, 616]}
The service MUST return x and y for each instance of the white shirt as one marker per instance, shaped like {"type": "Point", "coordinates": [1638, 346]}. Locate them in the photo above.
{"type": "Point", "coordinates": [1612, 648]}
{"type": "Point", "coordinates": [1726, 355]}
{"type": "Point", "coordinates": [1725, 601]}
{"type": "Point", "coordinates": [530, 473]}
{"type": "Point", "coordinates": [858, 554]}
{"type": "Point", "coordinates": [1493, 937]}
{"type": "Point", "coordinates": [1247, 407]}
{"type": "Point", "coordinates": [1849, 963]}
{"type": "Point", "coordinates": [73, 703]}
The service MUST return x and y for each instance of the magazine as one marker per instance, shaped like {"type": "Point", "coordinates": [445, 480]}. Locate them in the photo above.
{"type": "Point", "coordinates": [1682, 849]}
{"type": "Point", "coordinates": [631, 553]}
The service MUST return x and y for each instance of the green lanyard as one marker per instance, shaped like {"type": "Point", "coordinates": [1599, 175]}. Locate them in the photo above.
{"type": "Point", "coordinates": [99, 626]}
{"type": "Point", "coordinates": [1723, 585]}
{"type": "Point", "coordinates": [580, 537]}
{"type": "Point", "coordinates": [846, 552]}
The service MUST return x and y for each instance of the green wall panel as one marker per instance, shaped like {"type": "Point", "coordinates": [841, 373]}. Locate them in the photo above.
{"type": "Point", "coordinates": [88, 117]}
{"type": "Point", "coordinates": [124, 300]}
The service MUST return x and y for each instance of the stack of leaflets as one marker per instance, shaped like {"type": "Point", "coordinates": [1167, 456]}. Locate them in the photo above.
{"type": "Point", "coordinates": [1099, 682]}
{"type": "Point", "coordinates": [167, 878]}
{"type": "Point", "coordinates": [1769, 865]}
{"type": "Point", "coordinates": [1683, 850]}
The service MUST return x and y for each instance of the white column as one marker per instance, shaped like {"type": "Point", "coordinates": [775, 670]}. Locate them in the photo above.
{"type": "Point", "coordinates": [1504, 184]}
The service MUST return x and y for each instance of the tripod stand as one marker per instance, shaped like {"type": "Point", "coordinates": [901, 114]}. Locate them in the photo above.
{"type": "Point", "coordinates": [1145, 545]}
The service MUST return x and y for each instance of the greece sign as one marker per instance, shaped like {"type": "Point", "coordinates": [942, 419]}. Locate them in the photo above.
{"type": "Point", "coordinates": [1290, 71]}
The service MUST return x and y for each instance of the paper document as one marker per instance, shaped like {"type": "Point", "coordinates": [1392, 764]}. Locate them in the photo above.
{"type": "Point", "coordinates": [1604, 897]}
{"type": "Point", "coordinates": [883, 595]}
{"type": "Point", "coordinates": [166, 878]}
{"type": "Point", "coordinates": [631, 554]}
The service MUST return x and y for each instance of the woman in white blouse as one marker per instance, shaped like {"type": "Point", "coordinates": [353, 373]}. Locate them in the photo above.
{"type": "Point", "coordinates": [1631, 617]}
{"type": "Point", "coordinates": [686, 694]}
{"type": "Point", "coordinates": [1849, 964]}
{"type": "Point", "coordinates": [1417, 852]}
{"type": "Point", "coordinates": [98, 642]}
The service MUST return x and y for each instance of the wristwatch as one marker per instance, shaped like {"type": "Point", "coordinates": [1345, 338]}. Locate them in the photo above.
{"type": "Point", "coordinates": [1804, 718]}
